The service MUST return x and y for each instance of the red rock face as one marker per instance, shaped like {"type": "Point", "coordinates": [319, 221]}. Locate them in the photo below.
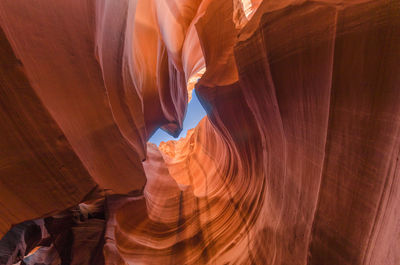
{"type": "Point", "coordinates": [296, 162]}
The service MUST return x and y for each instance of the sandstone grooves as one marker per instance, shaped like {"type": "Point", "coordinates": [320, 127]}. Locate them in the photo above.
{"type": "Point", "coordinates": [297, 161]}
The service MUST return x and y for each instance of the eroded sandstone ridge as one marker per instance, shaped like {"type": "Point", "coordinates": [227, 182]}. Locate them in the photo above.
{"type": "Point", "coordinates": [297, 161]}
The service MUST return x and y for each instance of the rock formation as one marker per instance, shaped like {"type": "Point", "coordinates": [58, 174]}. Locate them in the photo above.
{"type": "Point", "coordinates": [297, 161]}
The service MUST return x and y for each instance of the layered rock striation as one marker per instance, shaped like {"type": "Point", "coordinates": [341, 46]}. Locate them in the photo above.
{"type": "Point", "coordinates": [295, 163]}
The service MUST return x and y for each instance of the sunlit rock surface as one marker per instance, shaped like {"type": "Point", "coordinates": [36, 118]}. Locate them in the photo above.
{"type": "Point", "coordinates": [297, 161]}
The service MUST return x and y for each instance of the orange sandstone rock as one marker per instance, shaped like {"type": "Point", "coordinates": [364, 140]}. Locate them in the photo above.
{"type": "Point", "coordinates": [295, 163]}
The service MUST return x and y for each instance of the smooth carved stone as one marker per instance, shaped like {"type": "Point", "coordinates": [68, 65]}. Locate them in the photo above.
{"type": "Point", "coordinates": [19, 241]}
{"type": "Point", "coordinates": [65, 74]}
{"type": "Point", "coordinates": [40, 173]}
{"type": "Point", "coordinates": [296, 162]}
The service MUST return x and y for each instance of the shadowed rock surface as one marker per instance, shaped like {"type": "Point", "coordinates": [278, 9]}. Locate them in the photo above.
{"type": "Point", "coordinates": [297, 161]}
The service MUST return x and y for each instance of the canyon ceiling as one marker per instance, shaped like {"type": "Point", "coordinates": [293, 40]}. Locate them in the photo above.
{"type": "Point", "coordinates": [297, 161]}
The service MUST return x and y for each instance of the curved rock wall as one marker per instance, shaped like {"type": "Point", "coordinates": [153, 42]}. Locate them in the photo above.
{"type": "Point", "coordinates": [295, 163]}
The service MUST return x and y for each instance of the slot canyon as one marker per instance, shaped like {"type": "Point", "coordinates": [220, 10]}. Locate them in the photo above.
{"type": "Point", "coordinates": [297, 161]}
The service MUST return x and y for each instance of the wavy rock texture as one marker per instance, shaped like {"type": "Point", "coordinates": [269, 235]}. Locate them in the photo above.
{"type": "Point", "coordinates": [296, 162]}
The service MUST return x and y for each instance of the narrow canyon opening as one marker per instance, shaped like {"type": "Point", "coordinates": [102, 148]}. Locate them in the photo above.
{"type": "Point", "coordinates": [295, 163]}
{"type": "Point", "coordinates": [194, 113]}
